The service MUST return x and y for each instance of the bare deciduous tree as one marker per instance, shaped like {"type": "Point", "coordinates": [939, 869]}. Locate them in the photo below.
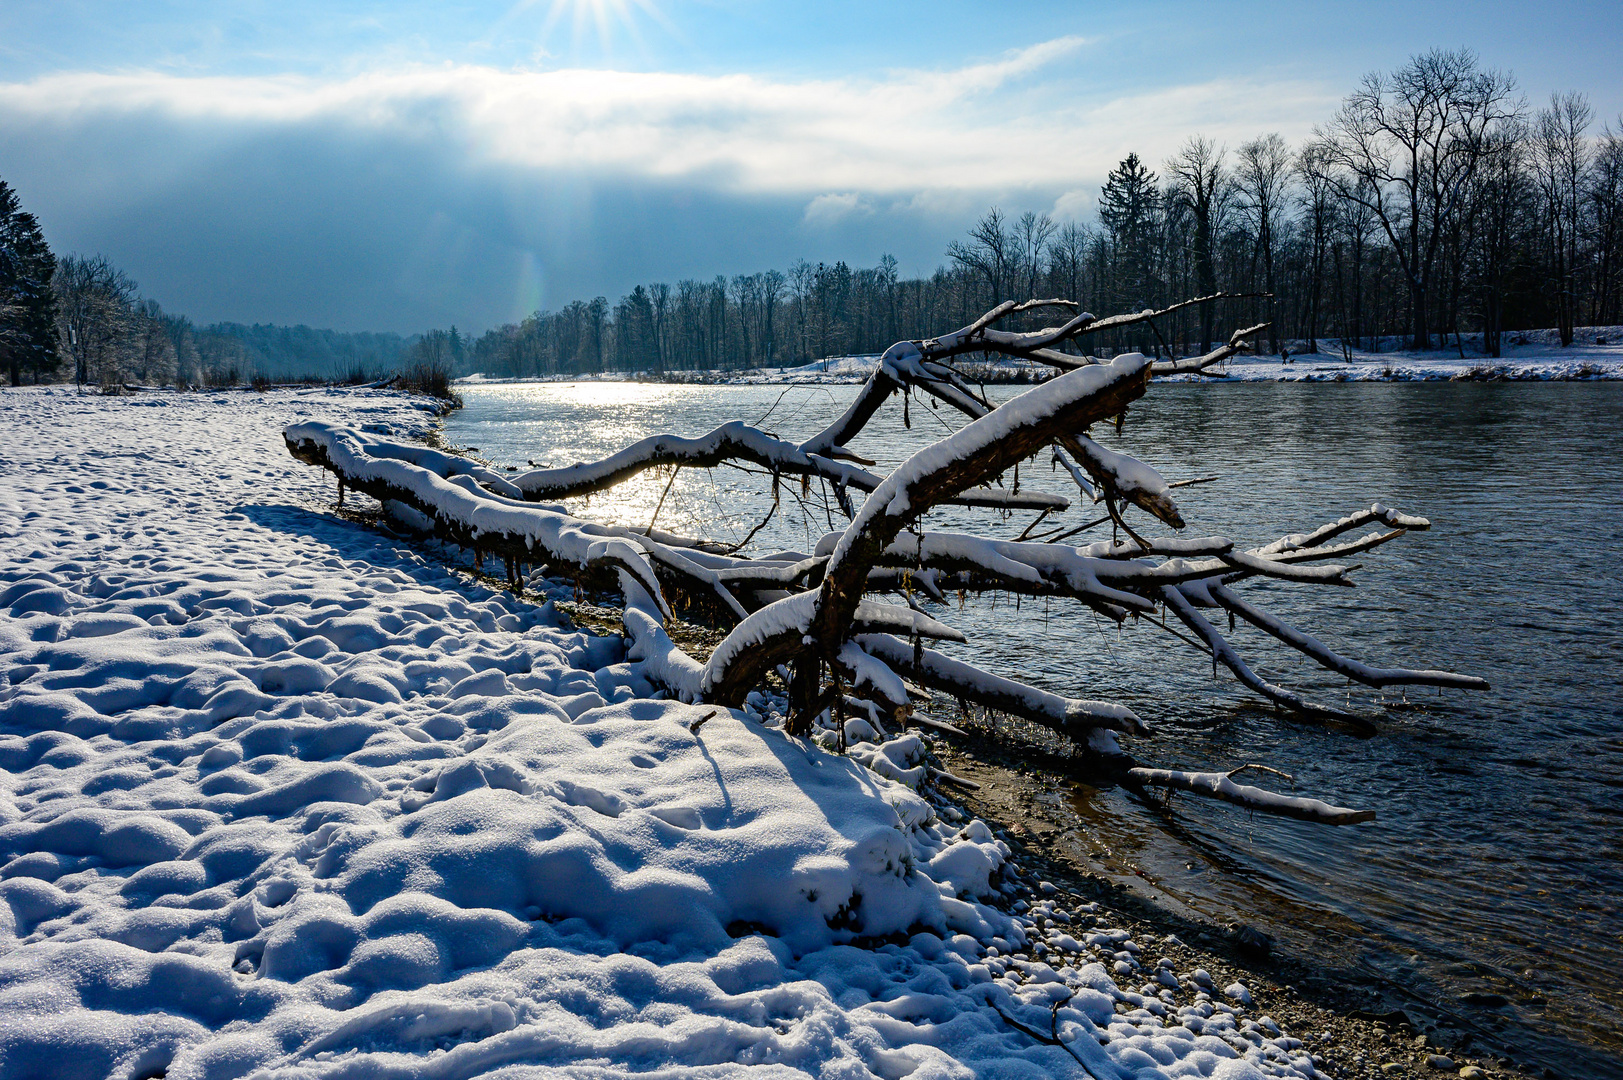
{"type": "Point", "coordinates": [1202, 183]}
{"type": "Point", "coordinates": [1561, 159]}
{"type": "Point", "coordinates": [95, 312]}
{"type": "Point", "coordinates": [1605, 193]}
{"type": "Point", "coordinates": [1317, 199]}
{"type": "Point", "coordinates": [989, 254]}
{"type": "Point", "coordinates": [1406, 145]}
{"type": "Point", "coordinates": [1260, 177]}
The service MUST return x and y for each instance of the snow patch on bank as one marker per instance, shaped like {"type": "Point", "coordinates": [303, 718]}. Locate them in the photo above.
{"type": "Point", "coordinates": [1596, 353]}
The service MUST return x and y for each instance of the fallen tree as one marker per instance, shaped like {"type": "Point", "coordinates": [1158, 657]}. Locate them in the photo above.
{"type": "Point", "coordinates": [812, 620]}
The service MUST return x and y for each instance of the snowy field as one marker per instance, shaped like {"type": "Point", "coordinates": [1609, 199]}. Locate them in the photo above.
{"type": "Point", "coordinates": [283, 797]}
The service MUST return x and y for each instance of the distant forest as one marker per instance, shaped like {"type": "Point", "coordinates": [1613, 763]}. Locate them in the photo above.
{"type": "Point", "coordinates": [1434, 204]}
{"type": "Point", "coordinates": [83, 319]}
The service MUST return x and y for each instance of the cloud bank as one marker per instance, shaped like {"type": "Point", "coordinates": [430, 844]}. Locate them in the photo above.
{"type": "Point", "coordinates": [469, 194]}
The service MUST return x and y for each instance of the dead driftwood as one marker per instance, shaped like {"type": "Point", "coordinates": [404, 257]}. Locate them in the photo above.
{"type": "Point", "coordinates": [814, 619]}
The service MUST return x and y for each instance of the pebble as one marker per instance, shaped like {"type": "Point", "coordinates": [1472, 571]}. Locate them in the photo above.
{"type": "Point", "coordinates": [1439, 1062]}
{"type": "Point", "coordinates": [1237, 992]}
{"type": "Point", "coordinates": [1047, 888]}
{"type": "Point", "coordinates": [1471, 1072]}
{"type": "Point", "coordinates": [1251, 940]}
{"type": "Point", "coordinates": [1391, 1067]}
{"type": "Point", "coordinates": [1490, 1001]}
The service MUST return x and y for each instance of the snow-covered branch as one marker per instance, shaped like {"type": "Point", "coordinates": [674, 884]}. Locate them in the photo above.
{"type": "Point", "coordinates": [1217, 785]}
{"type": "Point", "coordinates": [1069, 716]}
{"type": "Point", "coordinates": [735, 441]}
{"type": "Point", "coordinates": [972, 455]}
{"type": "Point", "coordinates": [731, 442]}
{"type": "Point", "coordinates": [1199, 364]}
{"type": "Point", "coordinates": [812, 617]}
{"type": "Point", "coordinates": [1223, 653]}
{"type": "Point", "coordinates": [1310, 646]}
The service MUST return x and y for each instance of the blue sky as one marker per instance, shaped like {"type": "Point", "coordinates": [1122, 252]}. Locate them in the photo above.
{"type": "Point", "coordinates": [405, 165]}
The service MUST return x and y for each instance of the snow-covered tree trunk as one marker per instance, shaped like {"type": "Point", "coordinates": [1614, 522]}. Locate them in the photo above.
{"type": "Point", "coordinates": [817, 618]}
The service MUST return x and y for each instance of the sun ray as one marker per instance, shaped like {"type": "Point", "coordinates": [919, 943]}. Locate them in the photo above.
{"type": "Point", "coordinates": [606, 21]}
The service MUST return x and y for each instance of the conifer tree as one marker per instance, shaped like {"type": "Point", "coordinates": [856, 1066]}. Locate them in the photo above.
{"type": "Point", "coordinates": [27, 303]}
{"type": "Point", "coordinates": [1129, 206]}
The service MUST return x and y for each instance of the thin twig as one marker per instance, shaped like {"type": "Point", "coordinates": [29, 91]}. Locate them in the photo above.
{"type": "Point", "coordinates": [667, 491]}
{"type": "Point", "coordinates": [1046, 1040]}
{"type": "Point", "coordinates": [1080, 528]}
{"type": "Point", "coordinates": [1232, 773]}
{"type": "Point", "coordinates": [1115, 514]}
{"type": "Point", "coordinates": [1181, 636]}
{"type": "Point", "coordinates": [1035, 522]}
{"type": "Point", "coordinates": [742, 543]}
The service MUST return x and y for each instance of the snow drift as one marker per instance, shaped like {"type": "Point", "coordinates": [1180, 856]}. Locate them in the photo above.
{"type": "Point", "coordinates": [282, 797]}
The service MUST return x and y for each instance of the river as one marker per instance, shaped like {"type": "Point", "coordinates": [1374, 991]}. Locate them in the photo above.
{"type": "Point", "coordinates": [1495, 866]}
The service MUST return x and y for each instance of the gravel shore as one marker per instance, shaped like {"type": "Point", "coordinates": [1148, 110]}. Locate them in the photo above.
{"type": "Point", "coordinates": [1353, 1028]}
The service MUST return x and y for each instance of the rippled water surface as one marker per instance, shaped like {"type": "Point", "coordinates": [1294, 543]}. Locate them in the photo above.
{"type": "Point", "coordinates": [1496, 864]}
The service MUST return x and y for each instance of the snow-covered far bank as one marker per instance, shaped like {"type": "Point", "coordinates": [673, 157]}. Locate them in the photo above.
{"type": "Point", "coordinates": [283, 796]}
{"type": "Point", "coordinates": [1596, 353]}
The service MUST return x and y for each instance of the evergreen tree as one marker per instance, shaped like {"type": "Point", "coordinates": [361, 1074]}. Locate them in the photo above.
{"type": "Point", "coordinates": [27, 302]}
{"type": "Point", "coordinates": [1129, 209]}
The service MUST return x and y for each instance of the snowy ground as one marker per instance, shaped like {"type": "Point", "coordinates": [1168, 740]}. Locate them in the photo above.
{"type": "Point", "coordinates": [283, 797]}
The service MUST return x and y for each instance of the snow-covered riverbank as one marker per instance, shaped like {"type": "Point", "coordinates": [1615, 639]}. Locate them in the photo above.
{"type": "Point", "coordinates": [1597, 353]}
{"type": "Point", "coordinates": [283, 797]}
{"type": "Point", "coordinates": [1535, 356]}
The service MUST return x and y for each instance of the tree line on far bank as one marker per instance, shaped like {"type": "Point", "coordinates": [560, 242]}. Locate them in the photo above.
{"type": "Point", "coordinates": [1434, 204]}
{"type": "Point", "coordinates": [82, 319]}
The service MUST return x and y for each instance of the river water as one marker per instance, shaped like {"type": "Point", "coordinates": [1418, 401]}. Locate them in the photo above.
{"type": "Point", "coordinates": [1496, 864]}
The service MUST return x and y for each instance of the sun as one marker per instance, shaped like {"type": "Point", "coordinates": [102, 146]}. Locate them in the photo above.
{"type": "Point", "coordinates": [608, 21]}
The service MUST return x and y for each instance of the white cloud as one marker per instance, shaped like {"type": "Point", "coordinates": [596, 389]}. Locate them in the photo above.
{"type": "Point", "coordinates": [827, 209]}
{"type": "Point", "coordinates": [1073, 205]}
{"type": "Point", "coordinates": [982, 128]}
